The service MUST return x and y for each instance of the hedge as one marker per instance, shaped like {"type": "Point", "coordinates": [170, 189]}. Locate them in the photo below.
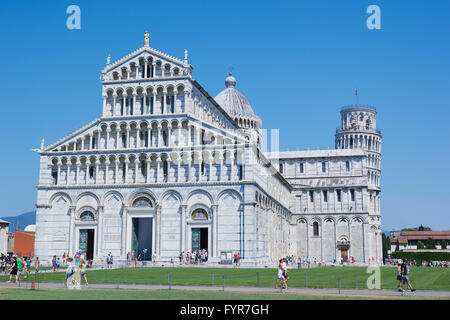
{"type": "Point", "coordinates": [421, 256]}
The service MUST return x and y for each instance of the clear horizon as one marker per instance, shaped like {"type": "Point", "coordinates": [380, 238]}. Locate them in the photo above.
{"type": "Point", "coordinates": [297, 63]}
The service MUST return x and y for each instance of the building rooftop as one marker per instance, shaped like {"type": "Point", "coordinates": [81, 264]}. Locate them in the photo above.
{"type": "Point", "coordinates": [315, 153]}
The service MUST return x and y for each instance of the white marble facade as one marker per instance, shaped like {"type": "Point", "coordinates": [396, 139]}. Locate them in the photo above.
{"type": "Point", "coordinates": [165, 149]}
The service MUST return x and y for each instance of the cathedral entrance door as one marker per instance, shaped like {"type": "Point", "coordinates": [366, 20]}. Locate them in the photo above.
{"type": "Point", "coordinates": [141, 237]}
{"type": "Point", "coordinates": [344, 255]}
{"type": "Point", "coordinates": [86, 243]}
{"type": "Point", "coordinates": [199, 239]}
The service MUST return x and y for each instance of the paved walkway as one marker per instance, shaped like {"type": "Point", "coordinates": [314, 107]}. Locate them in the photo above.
{"type": "Point", "coordinates": [310, 291]}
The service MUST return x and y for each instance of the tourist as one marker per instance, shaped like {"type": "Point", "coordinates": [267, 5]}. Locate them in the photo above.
{"type": "Point", "coordinates": [83, 271]}
{"type": "Point", "coordinates": [54, 263]}
{"type": "Point", "coordinates": [64, 258]}
{"type": "Point", "coordinates": [36, 265]}
{"type": "Point", "coordinates": [285, 273]}
{"type": "Point", "coordinates": [403, 268]}
{"type": "Point", "coordinates": [202, 256]}
{"type": "Point", "coordinates": [70, 271]}
{"type": "Point", "coordinates": [19, 266]}
{"type": "Point", "coordinates": [181, 257]}
{"type": "Point", "coordinates": [13, 270]}
{"type": "Point", "coordinates": [280, 274]}
{"type": "Point", "coordinates": [235, 258]}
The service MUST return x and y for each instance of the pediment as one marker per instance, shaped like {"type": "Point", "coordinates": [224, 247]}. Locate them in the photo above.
{"type": "Point", "coordinates": [128, 63]}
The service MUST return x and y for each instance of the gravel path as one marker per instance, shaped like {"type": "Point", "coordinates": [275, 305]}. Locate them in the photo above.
{"type": "Point", "coordinates": [364, 292]}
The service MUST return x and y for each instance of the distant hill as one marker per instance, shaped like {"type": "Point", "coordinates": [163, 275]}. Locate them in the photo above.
{"type": "Point", "coordinates": [20, 221]}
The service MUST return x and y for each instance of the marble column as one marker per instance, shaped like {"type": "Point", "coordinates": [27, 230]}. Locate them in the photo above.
{"type": "Point", "coordinates": [100, 231]}
{"type": "Point", "coordinates": [71, 230]}
{"type": "Point", "coordinates": [158, 230]}
{"type": "Point", "coordinates": [214, 235]}
{"type": "Point", "coordinates": [183, 228]}
{"type": "Point", "coordinates": [123, 251]}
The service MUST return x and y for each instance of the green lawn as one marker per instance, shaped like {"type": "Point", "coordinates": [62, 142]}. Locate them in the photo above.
{"type": "Point", "coordinates": [324, 277]}
{"type": "Point", "coordinates": [121, 294]}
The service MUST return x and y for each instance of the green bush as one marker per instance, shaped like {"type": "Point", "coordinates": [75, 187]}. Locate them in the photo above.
{"type": "Point", "coordinates": [420, 245]}
{"type": "Point", "coordinates": [444, 245]}
{"type": "Point", "coordinates": [421, 256]}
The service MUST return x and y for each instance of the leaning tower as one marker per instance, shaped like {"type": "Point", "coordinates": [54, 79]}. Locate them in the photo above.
{"type": "Point", "coordinates": [359, 131]}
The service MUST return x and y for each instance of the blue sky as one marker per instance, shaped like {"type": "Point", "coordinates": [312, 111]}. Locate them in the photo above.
{"type": "Point", "coordinates": [297, 62]}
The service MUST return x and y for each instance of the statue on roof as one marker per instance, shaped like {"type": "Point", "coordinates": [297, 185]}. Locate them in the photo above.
{"type": "Point", "coordinates": [146, 39]}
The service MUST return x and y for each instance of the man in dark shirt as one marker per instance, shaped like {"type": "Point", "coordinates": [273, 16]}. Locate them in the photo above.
{"type": "Point", "coordinates": [405, 278]}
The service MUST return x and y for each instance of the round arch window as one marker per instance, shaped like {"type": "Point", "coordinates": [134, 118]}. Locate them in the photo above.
{"type": "Point", "coordinates": [142, 202]}
{"type": "Point", "coordinates": [87, 216]}
{"type": "Point", "coordinates": [199, 214]}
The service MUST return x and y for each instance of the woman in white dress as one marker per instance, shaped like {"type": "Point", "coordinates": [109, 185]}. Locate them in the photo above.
{"type": "Point", "coordinates": [281, 271]}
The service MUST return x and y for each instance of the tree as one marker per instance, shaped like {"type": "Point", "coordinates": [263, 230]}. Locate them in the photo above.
{"type": "Point", "coordinates": [444, 245]}
{"type": "Point", "coordinates": [431, 244]}
{"type": "Point", "coordinates": [420, 245]}
{"type": "Point", "coordinates": [384, 245]}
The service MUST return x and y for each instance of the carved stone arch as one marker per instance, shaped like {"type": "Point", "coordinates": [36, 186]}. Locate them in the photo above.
{"type": "Point", "coordinates": [357, 219]}
{"type": "Point", "coordinates": [172, 192]}
{"type": "Point", "coordinates": [195, 208]}
{"type": "Point", "coordinates": [87, 194]}
{"type": "Point", "coordinates": [315, 219]}
{"type": "Point", "coordinates": [85, 209]}
{"type": "Point", "coordinates": [343, 219]}
{"type": "Point", "coordinates": [227, 192]}
{"type": "Point", "coordinates": [330, 219]}
{"type": "Point", "coordinates": [302, 220]}
{"type": "Point", "coordinates": [142, 193]}
{"type": "Point", "coordinates": [200, 191]}
{"type": "Point", "coordinates": [57, 196]}
{"type": "Point", "coordinates": [109, 193]}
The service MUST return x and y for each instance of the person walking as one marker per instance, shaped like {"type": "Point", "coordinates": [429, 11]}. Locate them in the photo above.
{"type": "Point", "coordinates": [285, 273]}
{"type": "Point", "coordinates": [13, 270]}
{"type": "Point", "coordinates": [403, 268]}
{"type": "Point", "coordinates": [235, 258]}
{"type": "Point", "coordinates": [83, 267]}
{"type": "Point", "coordinates": [36, 265]}
{"type": "Point", "coordinates": [280, 276]}
{"type": "Point", "coordinates": [70, 271]}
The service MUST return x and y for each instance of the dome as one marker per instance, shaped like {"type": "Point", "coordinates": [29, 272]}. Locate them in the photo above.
{"type": "Point", "coordinates": [234, 102]}
{"type": "Point", "coordinates": [31, 227]}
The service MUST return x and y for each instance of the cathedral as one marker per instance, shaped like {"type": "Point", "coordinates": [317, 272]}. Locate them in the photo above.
{"type": "Point", "coordinates": [167, 169]}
